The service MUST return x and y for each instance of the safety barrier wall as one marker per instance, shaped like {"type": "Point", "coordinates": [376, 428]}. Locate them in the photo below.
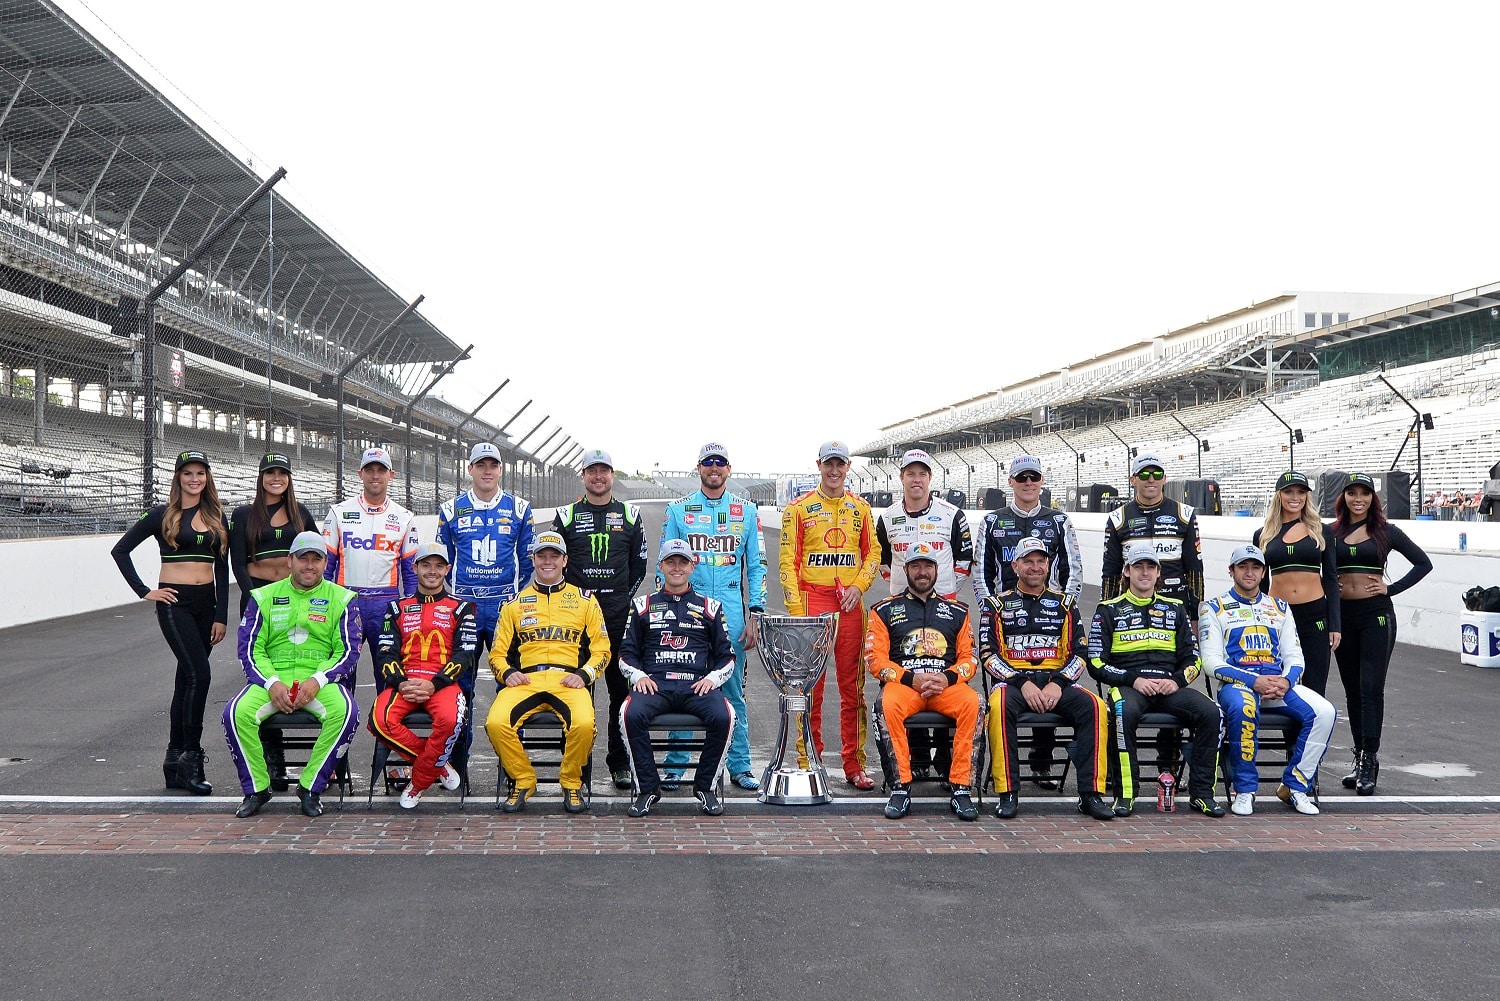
{"type": "Point", "coordinates": [50, 578]}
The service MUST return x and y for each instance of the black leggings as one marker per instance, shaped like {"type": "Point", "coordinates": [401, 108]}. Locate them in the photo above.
{"type": "Point", "coordinates": [1364, 656]}
{"type": "Point", "coordinates": [1312, 633]}
{"type": "Point", "coordinates": [187, 626]}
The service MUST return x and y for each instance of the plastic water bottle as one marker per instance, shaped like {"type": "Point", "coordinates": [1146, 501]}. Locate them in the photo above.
{"type": "Point", "coordinates": [1166, 791]}
{"type": "Point", "coordinates": [1463, 542]}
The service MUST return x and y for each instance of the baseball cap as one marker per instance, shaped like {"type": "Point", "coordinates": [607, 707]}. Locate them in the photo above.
{"type": "Point", "coordinates": [1361, 480]}
{"type": "Point", "coordinates": [427, 549]}
{"type": "Point", "coordinates": [1025, 464]}
{"type": "Point", "coordinates": [833, 450]}
{"type": "Point", "coordinates": [1147, 460]}
{"type": "Point", "coordinates": [674, 547]}
{"type": "Point", "coordinates": [191, 455]}
{"type": "Point", "coordinates": [1292, 478]}
{"type": "Point", "coordinates": [596, 457]}
{"type": "Point", "coordinates": [712, 449]}
{"type": "Point", "coordinates": [1030, 544]}
{"type": "Point", "coordinates": [1137, 552]}
{"type": "Point", "coordinates": [379, 455]}
{"type": "Point", "coordinates": [275, 460]}
{"type": "Point", "coordinates": [921, 551]}
{"type": "Point", "coordinates": [308, 542]}
{"type": "Point", "coordinates": [484, 450]}
{"type": "Point", "coordinates": [549, 540]}
{"type": "Point", "coordinates": [917, 455]}
{"type": "Point", "coordinates": [1244, 553]}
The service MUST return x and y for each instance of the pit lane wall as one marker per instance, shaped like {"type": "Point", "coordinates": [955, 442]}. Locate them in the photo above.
{"type": "Point", "coordinates": [1427, 614]}
{"type": "Point", "coordinates": [52, 578]}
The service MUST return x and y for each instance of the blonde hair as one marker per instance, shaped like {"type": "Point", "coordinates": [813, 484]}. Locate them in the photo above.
{"type": "Point", "coordinates": [1309, 519]}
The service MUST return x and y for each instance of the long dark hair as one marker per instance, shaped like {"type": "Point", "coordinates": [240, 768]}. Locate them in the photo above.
{"type": "Point", "coordinates": [209, 509]}
{"type": "Point", "coordinates": [260, 512]}
{"type": "Point", "coordinates": [1375, 522]}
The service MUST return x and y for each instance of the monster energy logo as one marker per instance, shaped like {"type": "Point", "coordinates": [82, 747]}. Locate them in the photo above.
{"type": "Point", "coordinates": [599, 546]}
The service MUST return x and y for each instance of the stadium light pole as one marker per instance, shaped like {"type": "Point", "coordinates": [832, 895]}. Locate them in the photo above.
{"type": "Point", "coordinates": [1418, 422]}
{"type": "Point", "coordinates": [411, 406]}
{"type": "Point", "coordinates": [1202, 445]}
{"type": "Point", "coordinates": [336, 386]}
{"type": "Point", "coordinates": [993, 457]}
{"type": "Point", "coordinates": [515, 451]}
{"type": "Point", "coordinates": [537, 427]}
{"type": "Point", "coordinates": [1128, 450]}
{"type": "Point", "coordinates": [1077, 468]}
{"type": "Point", "coordinates": [1293, 435]}
{"type": "Point", "coordinates": [458, 431]}
{"type": "Point", "coordinates": [147, 314]}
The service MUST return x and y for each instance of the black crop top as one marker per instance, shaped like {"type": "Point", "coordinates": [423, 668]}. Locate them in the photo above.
{"type": "Point", "coordinates": [1303, 555]}
{"type": "Point", "coordinates": [273, 541]}
{"type": "Point", "coordinates": [1365, 557]}
{"type": "Point", "coordinates": [193, 546]}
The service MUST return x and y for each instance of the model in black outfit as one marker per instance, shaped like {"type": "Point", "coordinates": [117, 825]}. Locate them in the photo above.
{"type": "Point", "coordinates": [1303, 571]}
{"type": "Point", "coordinates": [1365, 541]}
{"type": "Point", "coordinates": [261, 532]}
{"type": "Point", "coordinates": [192, 603]}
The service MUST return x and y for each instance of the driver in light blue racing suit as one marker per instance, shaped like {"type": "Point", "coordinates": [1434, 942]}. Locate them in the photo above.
{"type": "Point", "coordinates": [723, 532]}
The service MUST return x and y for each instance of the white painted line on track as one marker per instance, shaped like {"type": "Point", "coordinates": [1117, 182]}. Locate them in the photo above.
{"type": "Point", "coordinates": [839, 800]}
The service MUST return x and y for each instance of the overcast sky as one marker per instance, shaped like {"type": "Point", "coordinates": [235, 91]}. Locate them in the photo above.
{"type": "Point", "coordinates": [772, 224]}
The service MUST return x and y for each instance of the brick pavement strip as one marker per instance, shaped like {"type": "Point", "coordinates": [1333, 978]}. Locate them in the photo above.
{"type": "Point", "coordinates": [358, 833]}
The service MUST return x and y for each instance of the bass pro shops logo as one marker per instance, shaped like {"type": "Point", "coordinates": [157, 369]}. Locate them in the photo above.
{"type": "Point", "coordinates": [598, 546]}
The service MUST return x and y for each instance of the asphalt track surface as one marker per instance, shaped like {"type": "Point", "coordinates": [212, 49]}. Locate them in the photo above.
{"type": "Point", "coordinates": [1387, 896]}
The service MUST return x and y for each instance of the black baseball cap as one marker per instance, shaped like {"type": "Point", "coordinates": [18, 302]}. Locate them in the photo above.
{"type": "Point", "coordinates": [1361, 480]}
{"type": "Point", "coordinates": [1292, 478]}
{"type": "Point", "coordinates": [275, 460]}
{"type": "Point", "coordinates": [191, 455]}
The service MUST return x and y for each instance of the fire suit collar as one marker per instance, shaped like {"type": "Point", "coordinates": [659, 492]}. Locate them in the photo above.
{"type": "Point", "coordinates": [910, 594]}
{"type": "Point", "coordinates": [1138, 602]}
{"type": "Point", "coordinates": [432, 599]}
{"type": "Point", "coordinates": [369, 508]}
{"type": "Point", "coordinates": [916, 514]}
{"type": "Point", "coordinates": [1027, 514]}
{"type": "Point", "coordinates": [549, 588]}
{"type": "Point", "coordinates": [485, 505]}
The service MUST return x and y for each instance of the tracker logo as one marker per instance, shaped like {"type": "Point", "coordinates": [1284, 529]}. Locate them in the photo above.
{"type": "Point", "coordinates": [379, 543]}
{"type": "Point", "coordinates": [830, 560]}
{"type": "Point", "coordinates": [674, 641]}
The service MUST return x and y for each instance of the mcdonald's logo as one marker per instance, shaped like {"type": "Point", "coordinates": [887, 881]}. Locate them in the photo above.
{"type": "Point", "coordinates": [426, 641]}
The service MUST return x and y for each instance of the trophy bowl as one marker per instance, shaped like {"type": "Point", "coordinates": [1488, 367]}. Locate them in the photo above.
{"type": "Point", "coordinates": [795, 651]}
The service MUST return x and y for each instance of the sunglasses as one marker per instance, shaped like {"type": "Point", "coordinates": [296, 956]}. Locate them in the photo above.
{"type": "Point", "coordinates": [714, 460]}
{"type": "Point", "coordinates": [1028, 477]}
{"type": "Point", "coordinates": [1151, 474]}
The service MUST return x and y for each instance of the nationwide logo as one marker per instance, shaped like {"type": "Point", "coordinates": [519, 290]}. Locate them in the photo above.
{"type": "Point", "coordinates": [483, 552]}
{"type": "Point", "coordinates": [598, 546]}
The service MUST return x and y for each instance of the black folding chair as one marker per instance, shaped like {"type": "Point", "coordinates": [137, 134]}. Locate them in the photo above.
{"type": "Point", "coordinates": [298, 732]}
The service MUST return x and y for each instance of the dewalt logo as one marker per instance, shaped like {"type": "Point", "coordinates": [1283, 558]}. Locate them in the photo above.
{"type": "Point", "coordinates": [598, 546]}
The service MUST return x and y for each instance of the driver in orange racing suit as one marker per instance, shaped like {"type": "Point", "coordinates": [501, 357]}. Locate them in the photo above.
{"type": "Point", "coordinates": [829, 558]}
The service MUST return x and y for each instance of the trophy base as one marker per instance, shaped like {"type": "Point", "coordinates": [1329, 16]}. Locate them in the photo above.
{"type": "Point", "coordinates": [795, 787]}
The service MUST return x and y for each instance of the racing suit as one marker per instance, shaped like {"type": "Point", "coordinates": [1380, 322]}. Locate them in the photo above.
{"type": "Point", "coordinates": [1039, 638]}
{"type": "Point", "coordinates": [677, 640]}
{"type": "Point", "coordinates": [371, 552]}
{"type": "Point", "coordinates": [724, 535]}
{"type": "Point", "coordinates": [828, 545]}
{"type": "Point", "coordinates": [1172, 529]}
{"type": "Point", "coordinates": [291, 636]}
{"type": "Point", "coordinates": [547, 633]}
{"type": "Point", "coordinates": [1002, 530]}
{"type": "Point", "coordinates": [942, 526]}
{"type": "Point", "coordinates": [1135, 639]}
{"type": "Point", "coordinates": [607, 556]}
{"type": "Point", "coordinates": [908, 636]}
{"type": "Point", "coordinates": [430, 637]}
{"type": "Point", "coordinates": [1243, 640]}
{"type": "Point", "coordinates": [489, 552]}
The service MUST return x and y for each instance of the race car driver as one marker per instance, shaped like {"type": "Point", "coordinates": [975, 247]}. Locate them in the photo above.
{"type": "Point", "coordinates": [487, 534]}
{"type": "Point", "coordinates": [372, 541]}
{"type": "Point", "coordinates": [427, 647]}
{"type": "Point", "coordinates": [1250, 645]}
{"type": "Point", "coordinates": [1031, 641]}
{"type": "Point", "coordinates": [1141, 646]}
{"type": "Point", "coordinates": [1026, 518]}
{"type": "Point", "coordinates": [829, 557]}
{"type": "Point", "coordinates": [918, 645]}
{"type": "Point", "coordinates": [1169, 527]}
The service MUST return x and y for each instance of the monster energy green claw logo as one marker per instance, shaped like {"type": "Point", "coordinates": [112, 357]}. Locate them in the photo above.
{"type": "Point", "coordinates": [599, 546]}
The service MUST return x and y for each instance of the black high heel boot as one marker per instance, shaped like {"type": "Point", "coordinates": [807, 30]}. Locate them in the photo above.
{"type": "Point", "coordinates": [190, 772]}
{"type": "Point", "coordinates": [1369, 772]}
{"type": "Point", "coordinates": [1352, 779]}
{"type": "Point", "coordinates": [169, 767]}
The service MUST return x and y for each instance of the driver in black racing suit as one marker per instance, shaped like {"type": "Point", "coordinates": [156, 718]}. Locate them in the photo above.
{"type": "Point", "coordinates": [1169, 527]}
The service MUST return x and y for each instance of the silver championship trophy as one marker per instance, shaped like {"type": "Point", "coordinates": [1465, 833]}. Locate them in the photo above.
{"type": "Point", "coordinates": [795, 649]}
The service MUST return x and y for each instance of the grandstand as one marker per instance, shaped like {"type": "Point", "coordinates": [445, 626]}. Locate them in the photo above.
{"type": "Point", "coordinates": [1224, 383]}
{"type": "Point", "coordinates": [107, 191]}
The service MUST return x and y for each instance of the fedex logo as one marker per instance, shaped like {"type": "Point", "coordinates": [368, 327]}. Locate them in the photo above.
{"type": "Point", "coordinates": [380, 543]}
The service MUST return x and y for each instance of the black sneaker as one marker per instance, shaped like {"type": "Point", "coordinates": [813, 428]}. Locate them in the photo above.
{"type": "Point", "coordinates": [516, 801]}
{"type": "Point", "coordinates": [1007, 806]}
{"type": "Point", "coordinates": [275, 755]}
{"type": "Point", "coordinates": [961, 804]}
{"type": "Point", "coordinates": [252, 803]}
{"type": "Point", "coordinates": [621, 778]}
{"type": "Point", "coordinates": [1208, 806]}
{"type": "Point", "coordinates": [312, 804]}
{"type": "Point", "coordinates": [898, 805]}
{"type": "Point", "coordinates": [708, 802]}
{"type": "Point", "coordinates": [643, 803]}
{"type": "Point", "coordinates": [1124, 807]}
{"type": "Point", "coordinates": [573, 801]}
{"type": "Point", "coordinates": [1041, 764]}
{"type": "Point", "coordinates": [1092, 804]}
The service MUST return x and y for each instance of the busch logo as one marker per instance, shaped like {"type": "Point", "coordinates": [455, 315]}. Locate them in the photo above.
{"type": "Point", "coordinates": [598, 546]}
{"type": "Point", "coordinates": [713, 543]}
{"type": "Point", "coordinates": [483, 552]}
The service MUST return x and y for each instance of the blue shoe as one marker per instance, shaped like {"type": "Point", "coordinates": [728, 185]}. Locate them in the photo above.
{"type": "Point", "coordinates": [747, 780]}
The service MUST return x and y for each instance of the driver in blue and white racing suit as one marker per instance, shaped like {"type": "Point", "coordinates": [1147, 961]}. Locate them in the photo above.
{"type": "Point", "coordinates": [723, 532]}
{"type": "Point", "coordinates": [487, 532]}
{"type": "Point", "coordinates": [1248, 641]}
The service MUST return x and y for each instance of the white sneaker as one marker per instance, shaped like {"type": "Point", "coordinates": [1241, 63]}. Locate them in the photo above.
{"type": "Point", "coordinates": [1243, 805]}
{"type": "Point", "coordinates": [410, 797]}
{"type": "Point", "coordinates": [449, 778]}
{"type": "Point", "coordinates": [1303, 803]}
